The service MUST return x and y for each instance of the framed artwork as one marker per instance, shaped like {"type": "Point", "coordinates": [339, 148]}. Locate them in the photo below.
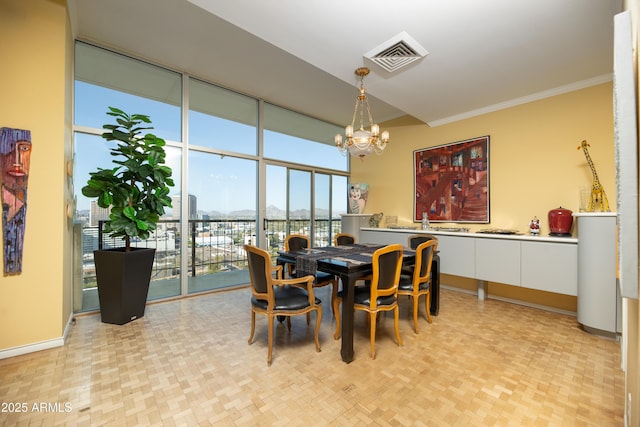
{"type": "Point", "coordinates": [451, 182]}
{"type": "Point", "coordinates": [358, 194]}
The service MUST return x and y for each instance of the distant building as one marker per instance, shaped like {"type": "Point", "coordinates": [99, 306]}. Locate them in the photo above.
{"type": "Point", "coordinates": [177, 207]}
{"type": "Point", "coordinates": [97, 214]}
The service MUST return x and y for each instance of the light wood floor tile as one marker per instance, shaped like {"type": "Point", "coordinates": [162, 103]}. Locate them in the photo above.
{"type": "Point", "coordinates": [187, 363]}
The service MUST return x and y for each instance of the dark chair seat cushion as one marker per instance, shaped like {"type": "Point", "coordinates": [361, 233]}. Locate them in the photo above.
{"type": "Point", "coordinates": [362, 296]}
{"type": "Point", "coordinates": [406, 284]}
{"type": "Point", "coordinates": [286, 298]}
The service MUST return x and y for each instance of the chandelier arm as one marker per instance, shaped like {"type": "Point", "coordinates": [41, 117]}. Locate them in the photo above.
{"type": "Point", "coordinates": [355, 113]}
{"type": "Point", "coordinates": [369, 112]}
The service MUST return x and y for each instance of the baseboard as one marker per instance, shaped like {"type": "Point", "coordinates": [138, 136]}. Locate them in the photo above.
{"type": "Point", "coordinates": [512, 301]}
{"type": "Point", "coordinates": [38, 346]}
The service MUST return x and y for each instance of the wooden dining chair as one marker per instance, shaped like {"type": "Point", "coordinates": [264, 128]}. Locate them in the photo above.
{"type": "Point", "coordinates": [295, 242]}
{"type": "Point", "coordinates": [381, 295]}
{"type": "Point", "coordinates": [413, 241]}
{"type": "Point", "coordinates": [275, 297]}
{"type": "Point", "coordinates": [343, 239]}
{"type": "Point", "coordinates": [419, 282]}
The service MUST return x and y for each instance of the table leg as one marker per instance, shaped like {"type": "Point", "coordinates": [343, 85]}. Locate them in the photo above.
{"type": "Point", "coordinates": [482, 290]}
{"type": "Point", "coordinates": [435, 286]}
{"type": "Point", "coordinates": [347, 318]}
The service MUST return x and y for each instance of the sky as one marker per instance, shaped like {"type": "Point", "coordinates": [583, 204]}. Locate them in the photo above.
{"type": "Point", "coordinates": [221, 183]}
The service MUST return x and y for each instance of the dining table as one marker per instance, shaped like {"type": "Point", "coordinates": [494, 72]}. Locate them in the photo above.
{"type": "Point", "coordinates": [350, 263]}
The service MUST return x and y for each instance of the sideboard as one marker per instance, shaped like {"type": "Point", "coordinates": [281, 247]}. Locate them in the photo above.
{"type": "Point", "coordinates": [543, 263]}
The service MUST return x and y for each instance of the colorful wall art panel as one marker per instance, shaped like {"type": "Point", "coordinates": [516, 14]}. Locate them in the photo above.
{"type": "Point", "coordinates": [15, 156]}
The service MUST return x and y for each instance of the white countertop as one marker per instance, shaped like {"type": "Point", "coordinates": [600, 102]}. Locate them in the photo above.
{"type": "Point", "coordinates": [529, 237]}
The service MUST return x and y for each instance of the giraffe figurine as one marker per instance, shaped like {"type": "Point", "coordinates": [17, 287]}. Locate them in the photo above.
{"type": "Point", "coordinates": [598, 196]}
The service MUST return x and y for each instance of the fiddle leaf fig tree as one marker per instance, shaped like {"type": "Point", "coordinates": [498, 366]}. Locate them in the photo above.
{"type": "Point", "coordinates": [137, 188]}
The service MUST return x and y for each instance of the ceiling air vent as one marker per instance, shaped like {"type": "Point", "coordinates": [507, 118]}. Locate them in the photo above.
{"type": "Point", "coordinates": [397, 52]}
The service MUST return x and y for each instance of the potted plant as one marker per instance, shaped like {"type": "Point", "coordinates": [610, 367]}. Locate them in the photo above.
{"type": "Point", "coordinates": [136, 191]}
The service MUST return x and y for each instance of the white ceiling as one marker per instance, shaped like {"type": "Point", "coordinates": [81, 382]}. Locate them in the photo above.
{"type": "Point", "coordinates": [483, 54]}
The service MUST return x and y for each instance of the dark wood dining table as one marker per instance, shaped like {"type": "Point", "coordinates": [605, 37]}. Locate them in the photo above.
{"type": "Point", "coordinates": [349, 263]}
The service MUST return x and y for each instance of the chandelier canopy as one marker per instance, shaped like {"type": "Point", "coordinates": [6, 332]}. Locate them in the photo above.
{"type": "Point", "coordinates": [362, 142]}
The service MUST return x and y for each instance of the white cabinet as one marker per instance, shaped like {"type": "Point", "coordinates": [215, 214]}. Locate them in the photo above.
{"type": "Point", "coordinates": [352, 223]}
{"type": "Point", "coordinates": [535, 262]}
{"type": "Point", "coordinates": [549, 267]}
{"type": "Point", "coordinates": [456, 254]}
{"type": "Point", "coordinates": [498, 260]}
{"type": "Point", "coordinates": [383, 237]}
{"type": "Point", "coordinates": [597, 288]}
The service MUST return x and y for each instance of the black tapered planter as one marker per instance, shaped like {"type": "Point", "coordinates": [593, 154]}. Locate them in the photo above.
{"type": "Point", "coordinates": [123, 283]}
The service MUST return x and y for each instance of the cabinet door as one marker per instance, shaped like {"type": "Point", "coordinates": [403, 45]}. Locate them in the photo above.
{"type": "Point", "coordinates": [550, 267]}
{"type": "Point", "coordinates": [498, 260]}
{"type": "Point", "coordinates": [383, 237]}
{"type": "Point", "coordinates": [457, 255]}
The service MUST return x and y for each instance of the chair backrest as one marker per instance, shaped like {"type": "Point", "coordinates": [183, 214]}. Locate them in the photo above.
{"type": "Point", "coordinates": [259, 269]}
{"type": "Point", "coordinates": [295, 242]}
{"type": "Point", "coordinates": [344, 239]}
{"type": "Point", "coordinates": [424, 258]}
{"type": "Point", "coordinates": [387, 263]}
{"type": "Point", "coordinates": [416, 239]}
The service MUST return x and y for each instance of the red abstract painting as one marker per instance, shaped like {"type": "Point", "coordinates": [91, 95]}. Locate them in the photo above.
{"type": "Point", "coordinates": [451, 182]}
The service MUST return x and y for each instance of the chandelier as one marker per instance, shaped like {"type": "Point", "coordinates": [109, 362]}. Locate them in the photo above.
{"type": "Point", "coordinates": [362, 142]}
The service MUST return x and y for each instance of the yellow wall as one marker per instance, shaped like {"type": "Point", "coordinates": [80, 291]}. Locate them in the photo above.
{"type": "Point", "coordinates": [534, 162]}
{"type": "Point", "coordinates": [35, 306]}
{"type": "Point", "coordinates": [535, 166]}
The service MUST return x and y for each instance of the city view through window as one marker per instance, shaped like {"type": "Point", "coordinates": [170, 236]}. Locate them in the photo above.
{"type": "Point", "coordinates": [200, 246]}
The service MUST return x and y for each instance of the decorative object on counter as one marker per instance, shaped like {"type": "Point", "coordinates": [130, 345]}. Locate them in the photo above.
{"type": "Point", "coordinates": [451, 182]}
{"type": "Point", "coordinates": [425, 221]}
{"type": "Point", "coordinates": [358, 194]}
{"type": "Point", "coordinates": [374, 220]}
{"type": "Point", "coordinates": [451, 229]}
{"type": "Point", "coordinates": [362, 142]}
{"type": "Point", "coordinates": [598, 196]}
{"type": "Point", "coordinates": [534, 226]}
{"type": "Point", "coordinates": [560, 221]}
{"type": "Point", "coordinates": [497, 231]}
{"type": "Point", "coordinates": [585, 196]}
{"type": "Point", "coordinates": [391, 221]}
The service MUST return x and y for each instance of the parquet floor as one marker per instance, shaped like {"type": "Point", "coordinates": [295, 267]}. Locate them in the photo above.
{"type": "Point", "coordinates": [187, 363]}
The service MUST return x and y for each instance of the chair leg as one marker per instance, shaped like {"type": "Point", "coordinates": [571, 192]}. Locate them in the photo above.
{"type": "Point", "coordinates": [289, 323]}
{"type": "Point", "coordinates": [308, 319]}
{"type": "Point", "coordinates": [427, 306]}
{"type": "Point", "coordinates": [372, 332]}
{"type": "Point", "coordinates": [396, 320]}
{"type": "Point", "coordinates": [270, 340]}
{"type": "Point", "coordinates": [318, 320]}
{"type": "Point", "coordinates": [253, 326]}
{"type": "Point", "coordinates": [336, 312]}
{"type": "Point", "coordinates": [415, 300]}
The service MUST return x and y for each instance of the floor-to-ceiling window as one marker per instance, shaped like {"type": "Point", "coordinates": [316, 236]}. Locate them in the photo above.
{"type": "Point", "coordinates": [106, 79]}
{"type": "Point", "coordinates": [222, 184]}
{"type": "Point", "coordinates": [239, 179]}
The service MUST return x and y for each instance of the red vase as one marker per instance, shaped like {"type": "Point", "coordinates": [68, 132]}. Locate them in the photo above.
{"type": "Point", "coordinates": [560, 221]}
